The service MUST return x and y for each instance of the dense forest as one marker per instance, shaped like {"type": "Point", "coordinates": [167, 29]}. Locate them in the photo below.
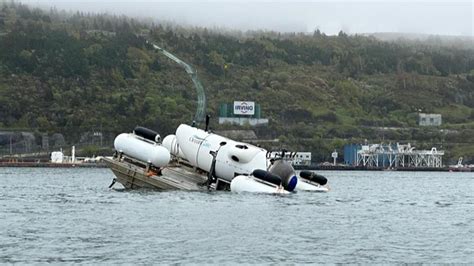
{"type": "Point", "coordinates": [74, 73]}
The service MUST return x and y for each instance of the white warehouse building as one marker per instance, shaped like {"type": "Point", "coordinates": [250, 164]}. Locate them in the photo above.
{"type": "Point", "coordinates": [295, 158]}
{"type": "Point", "coordinates": [429, 119]}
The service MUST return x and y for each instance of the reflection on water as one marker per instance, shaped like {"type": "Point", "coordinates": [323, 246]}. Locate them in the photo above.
{"type": "Point", "coordinates": [70, 215]}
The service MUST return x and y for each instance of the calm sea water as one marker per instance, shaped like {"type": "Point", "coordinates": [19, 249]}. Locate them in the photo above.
{"type": "Point", "coordinates": [69, 215]}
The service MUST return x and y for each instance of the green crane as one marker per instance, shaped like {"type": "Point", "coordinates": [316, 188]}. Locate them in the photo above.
{"type": "Point", "coordinates": [201, 95]}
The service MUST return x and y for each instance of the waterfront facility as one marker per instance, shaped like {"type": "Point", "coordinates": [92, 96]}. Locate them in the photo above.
{"type": "Point", "coordinates": [392, 156]}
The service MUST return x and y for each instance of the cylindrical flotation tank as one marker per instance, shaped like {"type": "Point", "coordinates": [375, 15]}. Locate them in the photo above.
{"type": "Point", "coordinates": [147, 133]}
{"type": "Point", "coordinates": [267, 176]}
{"type": "Point", "coordinates": [304, 185]}
{"type": "Point", "coordinates": [170, 143]}
{"type": "Point", "coordinates": [312, 176]}
{"type": "Point", "coordinates": [144, 151]}
{"type": "Point", "coordinates": [243, 183]}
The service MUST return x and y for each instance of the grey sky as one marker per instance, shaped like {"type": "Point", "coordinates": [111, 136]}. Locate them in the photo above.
{"type": "Point", "coordinates": [352, 16]}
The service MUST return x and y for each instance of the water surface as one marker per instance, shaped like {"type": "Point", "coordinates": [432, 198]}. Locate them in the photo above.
{"type": "Point", "coordinates": [70, 215]}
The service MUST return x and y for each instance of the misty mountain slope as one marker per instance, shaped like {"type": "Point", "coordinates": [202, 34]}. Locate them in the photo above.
{"type": "Point", "coordinates": [73, 73]}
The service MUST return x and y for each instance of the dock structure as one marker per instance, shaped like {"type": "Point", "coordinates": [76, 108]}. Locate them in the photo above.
{"type": "Point", "coordinates": [394, 156]}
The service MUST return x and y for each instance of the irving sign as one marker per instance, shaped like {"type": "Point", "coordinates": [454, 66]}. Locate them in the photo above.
{"type": "Point", "coordinates": [244, 108]}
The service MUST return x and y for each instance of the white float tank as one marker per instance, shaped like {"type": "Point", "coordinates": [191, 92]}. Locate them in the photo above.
{"type": "Point", "coordinates": [170, 143]}
{"type": "Point", "coordinates": [142, 150]}
{"type": "Point", "coordinates": [234, 158]}
{"type": "Point", "coordinates": [303, 185]}
{"type": "Point", "coordinates": [247, 184]}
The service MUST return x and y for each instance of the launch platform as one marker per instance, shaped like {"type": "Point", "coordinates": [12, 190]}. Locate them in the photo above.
{"type": "Point", "coordinates": [131, 174]}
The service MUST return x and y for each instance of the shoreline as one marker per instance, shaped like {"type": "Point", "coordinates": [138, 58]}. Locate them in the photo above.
{"type": "Point", "coordinates": [362, 168]}
{"type": "Point", "coordinates": [297, 167]}
{"type": "Point", "coordinates": [52, 165]}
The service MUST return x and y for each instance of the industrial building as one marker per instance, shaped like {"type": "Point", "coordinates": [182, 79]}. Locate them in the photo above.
{"type": "Point", "coordinates": [391, 156]}
{"type": "Point", "coordinates": [295, 158]}
{"type": "Point", "coordinates": [241, 113]}
{"type": "Point", "coordinates": [429, 119]}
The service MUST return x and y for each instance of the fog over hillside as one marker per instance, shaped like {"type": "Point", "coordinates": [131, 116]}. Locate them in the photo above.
{"type": "Point", "coordinates": [351, 16]}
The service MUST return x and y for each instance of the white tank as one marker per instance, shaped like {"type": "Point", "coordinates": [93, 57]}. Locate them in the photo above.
{"type": "Point", "coordinates": [234, 158]}
{"type": "Point", "coordinates": [170, 143]}
{"type": "Point", "coordinates": [247, 184]}
{"type": "Point", "coordinates": [303, 185]}
{"type": "Point", "coordinates": [142, 150]}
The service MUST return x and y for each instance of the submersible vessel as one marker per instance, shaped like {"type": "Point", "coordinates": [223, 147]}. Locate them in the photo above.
{"type": "Point", "coordinates": [196, 159]}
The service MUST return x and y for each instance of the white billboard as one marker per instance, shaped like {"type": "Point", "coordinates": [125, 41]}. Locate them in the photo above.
{"type": "Point", "coordinates": [244, 108]}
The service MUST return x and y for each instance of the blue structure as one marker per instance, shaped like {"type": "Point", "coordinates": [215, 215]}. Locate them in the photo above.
{"type": "Point", "coordinates": [350, 153]}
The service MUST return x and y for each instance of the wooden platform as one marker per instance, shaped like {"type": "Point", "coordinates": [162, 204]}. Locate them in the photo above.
{"type": "Point", "coordinates": [176, 176]}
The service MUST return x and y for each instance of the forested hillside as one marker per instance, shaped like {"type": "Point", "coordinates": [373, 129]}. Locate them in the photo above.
{"type": "Point", "coordinates": [75, 73]}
